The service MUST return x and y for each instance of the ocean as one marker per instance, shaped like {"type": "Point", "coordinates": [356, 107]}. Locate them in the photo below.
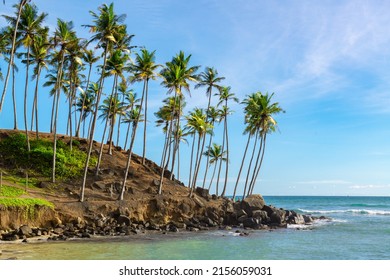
{"type": "Point", "coordinates": [359, 229]}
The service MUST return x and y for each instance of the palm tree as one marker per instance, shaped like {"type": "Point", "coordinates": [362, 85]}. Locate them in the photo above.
{"type": "Point", "coordinates": [176, 76]}
{"type": "Point", "coordinates": [215, 154]}
{"type": "Point", "coordinates": [89, 58]}
{"type": "Point", "coordinates": [213, 115]}
{"type": "Point", "coordinates": [85, 103]}
{"type": "Point", "coordinates": [63, 37]}
{"type": "Point", "coordinates": [224, 96]}
{"type": "Point", "coordinates": [5, 49]}
{"type": "Point", "coordinates": [164, 117]}
{"type": "Point", "coordinates": [131, 100]}
{"type": "Point", "coordinates": [263, 110]}
{"type": "Point", "coordinates": [209, 78]}
{"type": "Point", "coordinates": [29, 28]}
{"type": "Point", "coordinates": [74, 67]}
{"type": "Point", "coordinates": [144, 69]}
{"type": "Point", "coordinates": [39, 52]}
{"type": "Point", "coordinates": [15, 25]}
{"type": "Point", "coordinates": [111, 108]}
{"type": "Point", "coordinates": [135, 118]}
{"type": "Point", "coordinates": [107, 25]}
{"type": "Point", "coordinates": [116, 65]}
{"type": "Point", "coordinates": [250, 130]}
{"type": "Point", "coordinates": [198, 122]}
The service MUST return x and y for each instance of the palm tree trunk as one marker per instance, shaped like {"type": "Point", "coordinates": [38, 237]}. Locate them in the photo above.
{"type": "Point", "coordinates": [177, 142]}
{"type": "Point", "coordinates": [256, 165]}
{"type": "Point", "coordinates": [199, 161]}
{"type": "Point", "coordinates": [119, 124]}
{"type": "Point", "coordinates": [25, 99]}
{"type": "Point", "coordinates": [212, 177]}
{"type": "Point", "coordinates": [93, 125]}
{"type": "Point", "coordinates": [53, 111]}
{"type": "Point", "coordinates": [127, 135]}
{"type": "Point", "coordinates": [14, 98]}
{"type": "Point", "coordinates": [192, 157]}
{"type": "Point", "coordinates": [250, 164]}
{"type": "Point", "coordinates": [135, 125]}
{"type": "Point", "coordinates": [207, 160]}
{"type": "Point", "coordinates": [114, 89]}
{"type": "Point", "coordinates": [227, 158]}
{"type": "Point", "coordinates": [12, 55]}
{"type": "Point", "coordinates": [220, 163]}
{"type": "Point", "coordinates": [55, 137]}
{"type": "Point", "coordinates": [261, 162]}
{"type": "Point", "coordinates": [145, 121]}
{"type": "Point", "coordinates": [101, 149]}
{"type": "Point", "coordinates": [242, 165]}
{"type": "Point", "coordinates": [168, 141]}
{"type": "Point", "coordinates": [83, 103]}
{"type": "Point", "coordinates": [36, 103]}
{"type": "Point", "coordinates": [193, 184]}
{"type": "Point", "coordinates": [122, 193]}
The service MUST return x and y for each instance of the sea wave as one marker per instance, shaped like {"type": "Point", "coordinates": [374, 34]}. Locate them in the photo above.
{"type": "Point", "coordinates": [352, 211]}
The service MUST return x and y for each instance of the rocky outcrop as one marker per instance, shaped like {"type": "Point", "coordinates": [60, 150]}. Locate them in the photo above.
{"type": "Point", "coordinates": [162, 213]}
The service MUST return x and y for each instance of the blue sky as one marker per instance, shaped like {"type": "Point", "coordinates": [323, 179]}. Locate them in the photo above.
{"type": "Point", "coordinates": [328, 63]}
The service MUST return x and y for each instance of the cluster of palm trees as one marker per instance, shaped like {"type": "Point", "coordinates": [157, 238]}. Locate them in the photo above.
{"type": "Point", "coordinates": [69, 61]}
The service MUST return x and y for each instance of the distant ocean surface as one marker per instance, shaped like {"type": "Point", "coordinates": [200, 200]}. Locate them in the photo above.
{"type": "Point", "coordinates": [359, 229]}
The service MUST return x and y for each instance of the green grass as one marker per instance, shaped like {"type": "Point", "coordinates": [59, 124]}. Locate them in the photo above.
{"type": "Point", "coordinates": [69, 163]}
{"type": "Point", "coordinates": [11, 191]}
{"type": "Point", "coordinates": [24, 202]}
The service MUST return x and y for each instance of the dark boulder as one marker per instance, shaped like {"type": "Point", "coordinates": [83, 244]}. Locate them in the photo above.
{"type": "Point", "coordinates": [252, 203]}
{"type": "Point", "coordinates": [25, 231]}
{"type": "Point", "coordinates": [261, 215]}
{"type": "Point", "coordinates": [251, 223]}
{"type": "Point", "coordinates": [202, 192]}
{"type": "Point", "coordinates": [278, 216]}
{"type": "Point", "coordinates": [122, 219]}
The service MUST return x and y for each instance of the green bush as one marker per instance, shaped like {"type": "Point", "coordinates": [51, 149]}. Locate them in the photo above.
{"type": "Point", "coordinates": [11, 191]}
{"type": "Point", "coordinates": [69, 163]}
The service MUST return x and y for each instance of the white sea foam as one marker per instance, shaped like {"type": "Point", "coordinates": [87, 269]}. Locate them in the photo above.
{"type": "Point", "coordinates": [353, 211]}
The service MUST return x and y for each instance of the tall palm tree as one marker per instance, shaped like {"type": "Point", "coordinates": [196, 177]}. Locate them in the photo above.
{"type": "Point", "coordinates": [39, 52]}
{"type": "Point", "coordinates": [198, 122]}
{"type": "Point", "coordinates": [164, 116]}
{"type": "Point", "coordinates": [106, 27]}
{"type": "Point", "coordinates": [136, 117]}
{"type": "Point", "coordinates": [215, 154]}
{"type": "Point", "coordinates": [144, 69]}
{"type": "Point", "coordinates": [85, 103]}
{"type": "Point", "coordinates": [263, 111]}
{"type": "Point", "coordinates": [111, 109]}
{"type": "Point", "coordinates": [116, 65]}
{"type": "Point", "coordinates": [176, 76]}
{"type": "Point", "coordinates": [224, 96]}
{"type": "Point", "coordinates": [15, 26]}
{"type": "Point", "coordinates": [30, 26]}
{"type": "Point", "coordinates": [213, 115]}
{"type": "Point", "coordinates": [5, 49]}
{"type": "Point", "coordinates": [89, 58]}
{"type": "Point", "coordinates": [63, 37]}
{"type": "Point", "coordinates": [74, 68]}
{"type": "Point", "coordinates": [132, 101]}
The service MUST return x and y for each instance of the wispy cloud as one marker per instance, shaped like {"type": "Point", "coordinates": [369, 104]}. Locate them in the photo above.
{"type": "Point", "coordinates": [324, 182]}
{"type": "Point", "coordinates": [369, 187]}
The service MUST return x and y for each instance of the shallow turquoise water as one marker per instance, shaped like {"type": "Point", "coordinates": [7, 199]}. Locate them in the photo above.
{"type": "Point", "coordinates": [360, 229]}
